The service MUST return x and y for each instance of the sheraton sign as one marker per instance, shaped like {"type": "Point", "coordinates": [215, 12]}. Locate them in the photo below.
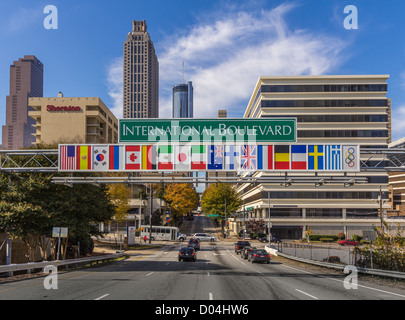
{"type": "Point", "coordinates": [208, 130]}
{"type": "Point", "coordinates": [62, 108]}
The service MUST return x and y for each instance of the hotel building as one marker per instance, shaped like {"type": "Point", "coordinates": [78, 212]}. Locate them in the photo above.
{"type": "Point", "coordinates": [72, 120]}
{"type": "Point", "coordinates": [141, 74]}
{"type": "Point", "coordinates": [329, 110]}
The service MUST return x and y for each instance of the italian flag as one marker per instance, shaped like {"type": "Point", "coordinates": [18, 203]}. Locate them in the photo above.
{"type": "Point", "coordinates": [165, 157]}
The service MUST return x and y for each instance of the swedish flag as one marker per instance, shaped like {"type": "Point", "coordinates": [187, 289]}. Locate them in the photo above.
{"type": "Point", "coordinates": [316, 157]}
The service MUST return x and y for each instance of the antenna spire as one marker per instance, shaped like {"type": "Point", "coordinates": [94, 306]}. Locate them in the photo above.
{"type": "Point", "coordinates": [183, 70]}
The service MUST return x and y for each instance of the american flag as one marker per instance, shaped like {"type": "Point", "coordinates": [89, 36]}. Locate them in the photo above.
{"type": "Point", "coordinates": [249, 157]}
{"type": "Point", "coordinates": [67, 158]}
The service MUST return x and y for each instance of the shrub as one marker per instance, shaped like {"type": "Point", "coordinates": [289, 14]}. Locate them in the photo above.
{"type": "Point", "coordinates": [357, 238]}
{"type": "Point", "coordinates": [326, 239]}
{"type": "Point", "coordinates": [317, 237]}
{"type": "Point", "coordinates": [341, 236]}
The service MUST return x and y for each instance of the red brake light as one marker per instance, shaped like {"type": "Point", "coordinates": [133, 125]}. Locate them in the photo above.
{"type": "Point", "coordinates": [256, 255]}
{"type": "Point", "coordinates": [193, 253]}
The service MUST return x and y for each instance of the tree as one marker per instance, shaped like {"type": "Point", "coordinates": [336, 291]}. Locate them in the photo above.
{"type": "Point", "coordinates": [35, 205]}
{"type": "Point", "coordinates": [181, 197]}
{"type": "Point", "coordinates": [217, 196]}
{"type": "Point", "coordinates": [255, 226]}
{"type": "Point", "coordinates": [119, 195]}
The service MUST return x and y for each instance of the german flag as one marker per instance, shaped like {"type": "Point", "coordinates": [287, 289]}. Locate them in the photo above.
{"type": "Point", "coordinates": [282, 157]}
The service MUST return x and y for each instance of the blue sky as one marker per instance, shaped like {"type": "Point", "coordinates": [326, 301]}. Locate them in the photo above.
{"type": "Point", "coordinates": [225, 45]}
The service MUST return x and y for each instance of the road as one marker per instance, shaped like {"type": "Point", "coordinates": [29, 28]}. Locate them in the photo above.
{"type": "Point", "coordinates": [218, 274]}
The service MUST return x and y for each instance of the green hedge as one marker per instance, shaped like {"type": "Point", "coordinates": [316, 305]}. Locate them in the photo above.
{"type": "Point", "coordinates": [318, 237]}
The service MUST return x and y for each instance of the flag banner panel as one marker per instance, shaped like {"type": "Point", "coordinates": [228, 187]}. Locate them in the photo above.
{"type": "Point", "coordinates": [209, 157]}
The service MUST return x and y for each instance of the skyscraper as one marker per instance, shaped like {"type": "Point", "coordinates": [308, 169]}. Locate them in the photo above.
{"type": "Point", "coordinates": [183, 100]}
{"type": "Point", "coordinates": [26, 80]}
{"type": "Point", "coordinates": [141, 74]}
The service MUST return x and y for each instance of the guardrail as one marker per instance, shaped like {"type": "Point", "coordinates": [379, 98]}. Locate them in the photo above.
{"type": "Point", "coordinates": [374, 272]}
{"type": "Point", "coordinates": [9, 269]}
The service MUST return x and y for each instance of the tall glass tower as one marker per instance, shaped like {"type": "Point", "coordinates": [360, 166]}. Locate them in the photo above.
{"type": "Point", "coordinates": [183, 100]}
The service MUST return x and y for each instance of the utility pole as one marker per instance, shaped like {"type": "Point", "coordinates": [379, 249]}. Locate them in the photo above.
{"type": "Point", "coordinates": [150, 213]}
{"type": "Point", "coordinates": [269, 221]}
{"type": "Point", "coordinates": [244, 226]}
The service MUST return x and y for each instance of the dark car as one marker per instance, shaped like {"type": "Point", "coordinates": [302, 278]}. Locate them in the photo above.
{"type": "Point", "coordinates": [245, 252]}
{"type": "Point", "coordinates": [259, 255]}
{"type": "Point", "coordinates": [275, 239]}
{"type": "Point", "coordinates": [187, 253]}
{"type": "Point", "coordinates": [194, 243]}
{"type": "Point", "coordinates": [240, 245]}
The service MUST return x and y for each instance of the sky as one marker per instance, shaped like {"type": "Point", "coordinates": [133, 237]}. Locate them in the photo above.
{"type": "Point", "coordinates": [225, 46]}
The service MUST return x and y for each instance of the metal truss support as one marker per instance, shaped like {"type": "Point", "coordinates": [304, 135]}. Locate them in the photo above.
{"type": "Point", "coordinates": [35, 160]}
{"type": "Point", "coordinates": [285, 181]}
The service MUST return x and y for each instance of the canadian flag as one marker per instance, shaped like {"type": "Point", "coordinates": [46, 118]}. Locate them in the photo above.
{"type": "Point", "coordinates": [132, 157]}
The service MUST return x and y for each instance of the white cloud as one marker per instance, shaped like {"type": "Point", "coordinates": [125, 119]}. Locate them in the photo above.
{"type": "Point", "coordinates": [398, 124]}
{"type": "Point", "coordinates": [115, 86]}
{"type": "Point", "coordinates": [226, 54]}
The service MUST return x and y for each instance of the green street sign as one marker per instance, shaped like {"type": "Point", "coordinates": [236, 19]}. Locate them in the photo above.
{"type": "Point", "coordinates": [207, 130]}
{"type": "Point", "coordinates": [213, 215]}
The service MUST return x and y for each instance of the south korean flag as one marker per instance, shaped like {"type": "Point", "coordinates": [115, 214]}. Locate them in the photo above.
{"type": "Point", "coordinates": [100, 158]}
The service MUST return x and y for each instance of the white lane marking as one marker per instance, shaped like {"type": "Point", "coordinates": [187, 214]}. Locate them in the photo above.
{"type": "Point", "coordinates": [103, 296]}
{"type": "Point", "coordinates": [208, 274]}
{"type": "Point", "coordinates": [359, 285]}
{"type": "Point", "coordinates": [375, 289]}
{"type": "Point", "coordinates": [235, 257]}
{"type": "Point", "coordinates": [260, 273]}
{"type": "Point", "coordinates": [149, 274]}
{"type": "Point", "coordinates": [307, 294]}
{"type": "Point", "coordinates": [210, 295]}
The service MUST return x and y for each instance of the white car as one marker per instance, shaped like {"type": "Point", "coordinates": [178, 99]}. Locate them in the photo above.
{"type": "Point", "coordinates": [204, 237]}
{"type": "Point", "coordinates": [181, 237]}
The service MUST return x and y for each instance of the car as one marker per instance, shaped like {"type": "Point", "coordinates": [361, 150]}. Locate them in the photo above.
{"type": "Point", "coordinates": [245, 251]}
{"type": "Point", "coordinates": [275, 239]}
{"type": "Point", "coordinates": [187, 253]}
{"type": "Point", "coordinates": [194, 243]}
{"type": "Point", "coordinates": [182, 237]}
{"type": "Point", "coordinates": [204, 237]}
{"type": "Point", "coordinates": [348, 242]}
{"type": "Point", "coordinates": [259, 255]}
{"type": "Point", "coordinates": [240, 245]}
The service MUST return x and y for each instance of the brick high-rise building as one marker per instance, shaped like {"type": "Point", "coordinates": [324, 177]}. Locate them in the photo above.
{"type": "Point", "coordinates": [141, 74]}
{"type": "Point", "coordinates": [26, 80]}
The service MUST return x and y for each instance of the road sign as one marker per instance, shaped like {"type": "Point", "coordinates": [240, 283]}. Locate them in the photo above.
{"type": "Point", "coordinates": [208, 130]}
{"type": "Point", "coordinates": [370, 235]}
{"type": "Point", "coordinates": [59, 232]}
{"type": "Point", "coordinates": [213, 215]}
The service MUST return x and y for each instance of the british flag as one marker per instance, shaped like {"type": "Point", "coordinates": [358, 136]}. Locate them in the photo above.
{"type": "Point", "coordinates": [249, 157]}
